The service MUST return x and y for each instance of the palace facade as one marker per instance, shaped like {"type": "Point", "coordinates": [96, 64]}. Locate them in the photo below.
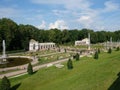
{"type": "Point", "coordinates": [85, 41]}
{"type": "Point", "coordinates": [35, 45]}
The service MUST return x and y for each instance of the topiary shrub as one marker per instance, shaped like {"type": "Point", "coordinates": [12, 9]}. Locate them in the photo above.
{"type": "Point", "coordinates": [5, 84]}
{"type": "Point", "coordinates": [96, 55]}
{"type": "Point", "coordinates": [69, 64]}
{"type": "Point", "coordinates": [77, 57]}
{"type": "Point", "coordinates": [117, 49]}
{"type": "Point", "coordinates": [30, 69]}
{"type": "Point", "coordinates": [98, 50]}
{"type": "Point", "coordinates": [110, 50]}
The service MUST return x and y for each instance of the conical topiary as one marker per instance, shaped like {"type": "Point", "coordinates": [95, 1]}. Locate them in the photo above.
{"type": "Point", "coordinates": [69, 64]}
{"type": "Point", "coordinates": [30, 69]}
{"type": "Point", "coordinates": [5, 84]}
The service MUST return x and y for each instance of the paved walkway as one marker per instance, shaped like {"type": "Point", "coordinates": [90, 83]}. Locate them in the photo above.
{"type": "Point", "coordinates": [10, 74]}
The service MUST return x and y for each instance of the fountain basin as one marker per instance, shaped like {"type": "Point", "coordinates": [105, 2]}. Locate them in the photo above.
{"type": "Point", "coordinates": [15, 61]}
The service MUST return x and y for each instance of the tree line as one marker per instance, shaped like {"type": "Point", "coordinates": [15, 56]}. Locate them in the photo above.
{"type": "Point", "coordinates": [17, 37]}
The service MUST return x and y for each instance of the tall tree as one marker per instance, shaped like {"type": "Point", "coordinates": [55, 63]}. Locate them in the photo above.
{"type": "Point", "coordinates": [94, 37]}
{"type": "Point", "coordinates": [8, 29]}
{"type": "Point", "coordinates": [17, 37]}
{"type": "Point", "coordinates": [73, 34]}
{"type": "Point", "coordinates": [65, 36]}
{"type": "Point", "coordinates": [101, 36]}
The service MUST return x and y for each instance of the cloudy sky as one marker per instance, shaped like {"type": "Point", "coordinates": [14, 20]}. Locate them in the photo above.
{"type": "Point", "coordinates": [64, 14]}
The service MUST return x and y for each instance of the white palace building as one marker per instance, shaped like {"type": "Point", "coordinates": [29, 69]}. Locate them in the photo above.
{"type": "Point", "coordinates": [82, 42]}
{"type": "Point", "coordinates": [85, 41]}
{"type": "Point", "coordinates": [35, 45]}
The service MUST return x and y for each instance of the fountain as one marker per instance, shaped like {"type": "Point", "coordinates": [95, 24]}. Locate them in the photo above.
{"type": "Point", "coordinates": [3, 59]}
{"type": "Point", "coordinates": [12, 61]}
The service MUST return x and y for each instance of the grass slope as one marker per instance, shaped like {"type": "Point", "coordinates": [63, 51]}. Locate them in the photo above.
{"type": "Point", "coordinates": [87, 74]}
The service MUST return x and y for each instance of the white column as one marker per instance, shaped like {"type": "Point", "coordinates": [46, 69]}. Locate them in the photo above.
{"type": "Point", "coordinates": [111, 42]}
{"type": "Point", "coordinates": [89, 41]}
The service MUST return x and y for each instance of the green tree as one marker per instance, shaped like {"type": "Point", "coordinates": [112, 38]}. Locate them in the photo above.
{"type": "Point", "coordinates": [96, 55]}
{"type": "Point", "coordinates": [77, 57]}
{"type": "Point", "coordinates": [5, 84]}
{"type": "Point", "coordinates": [8, 29]}
{"type": "Point", "coordinates": [65, 36]}
{"type": "Point", "coordinates": [30, 69]}
{"type": "Point", "coordinates": [110, 50]}
{"type": "Point", "coordinates": [93, 37]}
{"type": "Point", "coordinates": [101, 35]}
{"type": "Point", "coordinates": [73, 34]}
{"type": "Point", "coordinates": [69, 64]}
{"type": "Point", "coordinates": [12, 33]}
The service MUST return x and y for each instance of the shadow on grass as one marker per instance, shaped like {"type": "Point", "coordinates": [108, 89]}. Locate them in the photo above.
{"type": "Point", "coordinates": [15, 87]}
{"type": "Point", "coordinates": [116, 84]}
{"type": "Point", "coordinates": [34, 72]}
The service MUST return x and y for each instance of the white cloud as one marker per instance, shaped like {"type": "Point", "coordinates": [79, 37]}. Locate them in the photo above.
{"type": "Point", "coordinates": [92, 18]}
{"type": "Point", "coordinates": [60, 12]}
{"type": "Point", "coordinates": [85, 18]}
{"type": "Point", "coordinates": [72, 7]}
{"type": "Point", "coordinates": [86, 21]}
{"type": "Point", "coordinates": [110, 6]}
{"type": "Point", "coordinates": [43, 25]}
{"type": "Point", "coordinates": [81, 12]}
{"type": "Point", "coordinates": [59, 24]}
{"type": "Point", "coordinates": [78, 11]}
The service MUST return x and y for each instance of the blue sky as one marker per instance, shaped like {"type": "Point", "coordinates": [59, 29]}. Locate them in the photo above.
{"type": "Point", "coordinates": [64, 14]}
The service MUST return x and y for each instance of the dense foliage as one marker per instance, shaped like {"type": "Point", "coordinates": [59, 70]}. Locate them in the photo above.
{"type": "Point", "coordinates": [17, 36]}
{"type": "Point", "coordinates": [5, 84]}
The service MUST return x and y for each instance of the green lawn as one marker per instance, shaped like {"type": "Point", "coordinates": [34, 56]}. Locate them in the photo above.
{"type": "Point", "coordinates": [87, 74]}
